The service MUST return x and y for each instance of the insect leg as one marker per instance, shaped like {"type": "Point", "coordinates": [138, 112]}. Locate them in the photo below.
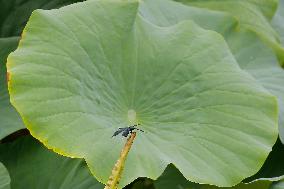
{"type": "Point", "coordinates": [139, 129]}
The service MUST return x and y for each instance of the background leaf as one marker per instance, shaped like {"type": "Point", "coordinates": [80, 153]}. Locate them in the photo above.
{"type": "Point", "coordinates": [277, 21]}
{"type": "Point", "coordinates": [251, 16]}
{"type": "Point", "coordinates": [173, 179]}
{"type": "Point", "coordinates": [33, 166]}
{"type": "Point", "coordinates": [4, 177]}
{"type": "Point", "coordinates": [141, 183]}
{"type": "Point", "coordinates": [10, 120]}
{"type": "Point", "coordinates": [14, 14]}
{"type": "Point", "coordinates": [254, 185]}
{"type": "Point", "coordinates": [277, 185]}
{"type": "Point", "coordinates": [167, 13]}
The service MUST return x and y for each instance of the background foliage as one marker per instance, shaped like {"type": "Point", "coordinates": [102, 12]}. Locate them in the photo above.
{"type": "Point", "coordinates": [237, 50]}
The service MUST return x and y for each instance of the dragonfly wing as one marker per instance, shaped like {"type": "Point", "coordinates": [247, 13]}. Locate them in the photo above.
{"type": "Point", "coordinates": [117, 132]}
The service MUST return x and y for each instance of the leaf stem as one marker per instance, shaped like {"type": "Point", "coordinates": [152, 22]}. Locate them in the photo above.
{"type": "Point", "coordinates": [116, 172]}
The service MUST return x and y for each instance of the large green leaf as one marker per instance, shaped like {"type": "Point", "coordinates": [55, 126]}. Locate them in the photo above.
{"type": "Point", "coordinates": [259, 60]}
{"type": "Point", "coordinates": [273, 168]}
{"type": "Point", "coordinates": [10, 120]}
{"type": "Point", "coordinates": [33, 166]}
{"type": "Point", "coordinates": [76, 79]}
{"type": "Point", "coordinates": [4, 177]}
{"type": "Point", "coordinates": [13, 17]}
{"type": "Point", "coordinates": [15, 13]}
{"type": "Point", "coordinates": [251, 54]}
{"type": "Point", "coordinates": [253, 15]}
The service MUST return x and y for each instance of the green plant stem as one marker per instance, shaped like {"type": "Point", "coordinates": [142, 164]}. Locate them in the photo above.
{"type": "Point", "coordinates": [116, 172]}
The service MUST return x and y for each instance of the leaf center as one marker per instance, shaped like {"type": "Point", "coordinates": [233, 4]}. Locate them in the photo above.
{"type": "Point", "coordinates": [132, 117]}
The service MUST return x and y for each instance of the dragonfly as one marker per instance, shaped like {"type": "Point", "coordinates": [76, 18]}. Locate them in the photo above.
{"type": "Point", "coordinates": [126, 130]}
